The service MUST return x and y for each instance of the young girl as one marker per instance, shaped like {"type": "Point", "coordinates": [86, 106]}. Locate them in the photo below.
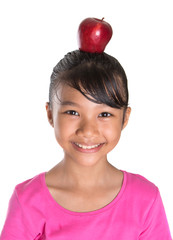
{"type": "Point", "coordinates": [84, 196]}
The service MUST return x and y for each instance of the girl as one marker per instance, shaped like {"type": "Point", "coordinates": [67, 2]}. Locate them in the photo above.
{"type": "Point", "coordinates": [84, 196]}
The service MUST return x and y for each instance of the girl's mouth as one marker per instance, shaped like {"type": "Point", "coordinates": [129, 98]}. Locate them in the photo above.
{"type": "Point", "coordinates": [87, 148]}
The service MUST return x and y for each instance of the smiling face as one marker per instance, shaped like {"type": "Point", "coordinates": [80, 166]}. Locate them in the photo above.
{"type": "Point", "coordinates": [86, 131]}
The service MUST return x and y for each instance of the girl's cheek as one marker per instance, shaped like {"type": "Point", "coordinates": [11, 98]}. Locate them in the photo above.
{"type": "Point", "coordinates": [65, 127]}
{"type": "Point", "coordinates": [112, 131]}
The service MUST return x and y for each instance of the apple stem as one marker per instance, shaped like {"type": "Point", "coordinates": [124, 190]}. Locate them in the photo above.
{"type": "Point", "coordinates": [102, 18]}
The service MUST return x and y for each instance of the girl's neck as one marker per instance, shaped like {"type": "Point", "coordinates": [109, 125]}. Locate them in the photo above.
{"type": "Point", "coordinates": [70, 175]}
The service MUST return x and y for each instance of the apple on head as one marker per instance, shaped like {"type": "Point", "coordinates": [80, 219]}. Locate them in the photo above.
{"type": "Point", "coordinates": [93, 35]}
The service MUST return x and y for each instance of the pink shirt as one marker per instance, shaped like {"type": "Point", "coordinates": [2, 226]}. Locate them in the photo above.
{"type": "Point", "coordinates": [137, 213]}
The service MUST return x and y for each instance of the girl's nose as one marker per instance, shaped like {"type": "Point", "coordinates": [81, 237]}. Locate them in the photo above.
{"type": "Point", "coordinates": [87, 129]}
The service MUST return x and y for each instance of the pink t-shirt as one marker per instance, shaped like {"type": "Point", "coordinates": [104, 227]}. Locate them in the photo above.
{"type": "Point", "coordinates": [137, 213]}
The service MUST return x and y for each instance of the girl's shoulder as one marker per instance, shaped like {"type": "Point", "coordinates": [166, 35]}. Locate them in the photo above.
{"type": "Point", "coordinates": [30, 187]}
{"type": "Point", "coordinates": [140, 187]}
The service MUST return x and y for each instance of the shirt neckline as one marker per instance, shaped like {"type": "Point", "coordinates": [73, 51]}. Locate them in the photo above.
{"type": "Point", "coordinates": [98, 211]}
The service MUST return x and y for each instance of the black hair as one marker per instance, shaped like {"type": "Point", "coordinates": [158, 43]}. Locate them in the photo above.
{"type": "Point", "coordinates": [98, 76]}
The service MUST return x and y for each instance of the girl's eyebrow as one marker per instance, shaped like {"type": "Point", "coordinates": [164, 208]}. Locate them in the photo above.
{"type": "Point", "coordinates": [64, 103]}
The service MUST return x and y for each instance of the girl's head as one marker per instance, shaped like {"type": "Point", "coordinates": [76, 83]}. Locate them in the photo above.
{"type": "Point", "coordinates": [88, 105]}
{"type": "Point", "coordinates": [98, 76]}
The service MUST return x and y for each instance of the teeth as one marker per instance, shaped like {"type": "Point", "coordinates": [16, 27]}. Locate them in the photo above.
{"type": "Point", "coordinates": [87, 147]}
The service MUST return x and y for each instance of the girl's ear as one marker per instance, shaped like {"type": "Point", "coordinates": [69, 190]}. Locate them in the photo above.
{"type": "Point", "coordinates": [49, 114]}
{"type": "Point", "coordinates": [126, 117]}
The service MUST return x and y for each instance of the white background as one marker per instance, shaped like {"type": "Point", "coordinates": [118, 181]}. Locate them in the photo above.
{"type": "Point", "coordinates": [35, 35]}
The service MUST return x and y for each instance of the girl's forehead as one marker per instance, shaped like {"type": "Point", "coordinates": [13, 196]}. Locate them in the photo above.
{"type": "Point", "coordinates": [69, 96]}
{"type": "Point", "coordinates": [66, 92]}
{"type": "Point", "coordinates": [73, 97]}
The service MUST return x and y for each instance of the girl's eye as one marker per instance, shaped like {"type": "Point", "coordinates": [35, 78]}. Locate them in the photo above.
{"type": "Point", "coordinates": [72, 112]}
{"type": "Point", "coordinates": [105, 114]}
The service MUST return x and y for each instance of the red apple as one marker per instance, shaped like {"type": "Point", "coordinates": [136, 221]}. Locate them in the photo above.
{"type": "Point", "coordinates": [93, 35]}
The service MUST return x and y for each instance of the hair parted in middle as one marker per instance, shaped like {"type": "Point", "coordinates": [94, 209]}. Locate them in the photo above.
{"type": "Point", "coordinates": [98, 76]}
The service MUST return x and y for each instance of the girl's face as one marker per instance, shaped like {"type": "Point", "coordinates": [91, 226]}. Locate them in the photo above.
{"type": "Point", "coordinates": [86, 131]}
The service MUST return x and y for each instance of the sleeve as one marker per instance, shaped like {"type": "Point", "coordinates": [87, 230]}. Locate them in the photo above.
{"type": "Point", "coordinates": [15, 226]}
{"type": "Point", "coordinates": [156, 225]}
